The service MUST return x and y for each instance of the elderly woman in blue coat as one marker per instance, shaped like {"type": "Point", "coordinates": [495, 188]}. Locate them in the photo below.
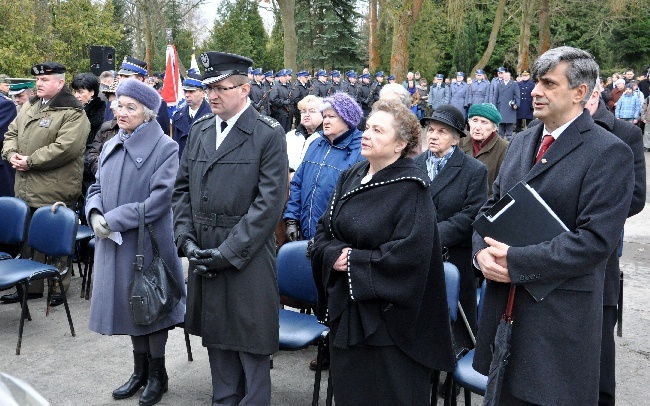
{"type": "Point", "coordinates": [337, 149]}
{"type": "Point", "coordinates": [138, 164]}
{"type": "Point", "coordinates": [459, 187]}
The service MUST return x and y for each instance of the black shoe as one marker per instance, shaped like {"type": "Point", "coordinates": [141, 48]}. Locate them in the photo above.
{"type": "Point", "coordinates": [137, 380]}
{"type": "Point", "coordinates": [13, 297]}
{"type": "Point", "coordinates": [56, 300]}
{"type": "Point", "coordinates": [157, 383]}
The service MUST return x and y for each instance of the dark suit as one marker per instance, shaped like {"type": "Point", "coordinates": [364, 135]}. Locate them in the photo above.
{"type": "Point", "coordinates": [586, 177]}
{"type": "Point", "coordinates": [458, 192]}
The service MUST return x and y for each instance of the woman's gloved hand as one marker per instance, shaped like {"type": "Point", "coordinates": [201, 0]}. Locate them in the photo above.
{"type": "Point", "coordinates": [99, 225]}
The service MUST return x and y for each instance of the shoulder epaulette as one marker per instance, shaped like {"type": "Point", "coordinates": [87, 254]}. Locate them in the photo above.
{"type": "Point", "coordinates": [271, 122]}
{"type": "Point", "coordinates": [205, 117]}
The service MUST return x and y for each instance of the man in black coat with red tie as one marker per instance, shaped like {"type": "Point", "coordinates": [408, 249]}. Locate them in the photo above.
{"type": "Point", "coordinates": [586, 177]}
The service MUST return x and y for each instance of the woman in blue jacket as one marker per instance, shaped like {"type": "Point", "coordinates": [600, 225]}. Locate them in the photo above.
{"type": "Point", "coordinates": [337, 149]}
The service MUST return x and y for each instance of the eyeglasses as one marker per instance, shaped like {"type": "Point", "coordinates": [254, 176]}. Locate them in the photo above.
{"type": "Point", "coordinates": [310, 111]}
{"type": "Point", "coordinates": [221, 90]}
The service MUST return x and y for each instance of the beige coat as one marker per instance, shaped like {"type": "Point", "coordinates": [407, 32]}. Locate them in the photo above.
{"type": "Point", "coordinates": [54, 138]}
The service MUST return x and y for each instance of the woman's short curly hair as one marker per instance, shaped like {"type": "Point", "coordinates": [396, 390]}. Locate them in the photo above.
{"type": "Point", "coordinates": [407, 127]}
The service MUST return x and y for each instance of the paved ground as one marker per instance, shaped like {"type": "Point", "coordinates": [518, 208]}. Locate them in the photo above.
{"type": "Point", "coordinates": [83, 370]}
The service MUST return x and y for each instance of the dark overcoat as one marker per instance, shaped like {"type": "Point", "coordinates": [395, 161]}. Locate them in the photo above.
{"type": "Point", "coordinates": [395, 266]}
{"type": "Point", "coordinates": [7, 173]}
{"type": "Point", "coordinates": [231, 198]}
{"type": "Point", "coordinates": [491, 154]}
{"type": "Point", "coordinates": [181, 123]}
{"type": "Point", "coordinates": [458, 192]}
{"type": "Point", "coordinates": [586, 177]}
{"type": "Point", "coordinates": [525, 110]}
{"type": "Point", "coordinates": [140, 169]}
{"type": "Point", "coordinates": [507, 95]}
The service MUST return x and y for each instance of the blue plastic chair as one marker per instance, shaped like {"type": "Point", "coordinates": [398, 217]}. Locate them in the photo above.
{"type": "Point", "coordinates": [465, 375]}
{"type": "Point", "coordinates": [14, 214]}
{"type": "Point", "coordinates": [52, 232]}
{"type": "Point", "coordinates": [300, 330]}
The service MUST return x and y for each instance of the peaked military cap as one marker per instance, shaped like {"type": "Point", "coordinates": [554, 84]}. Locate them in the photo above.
{"type": "Point", "coordinates": [288, 72]}
{"type": "Point", "coordinates": [302, 73]}
{"type": "Point", "coordinates": [335, 74]}
{"type": "Point", "coordinates": [364, 76]}
{"type": "Point", "coordinates": [133, 66]}
{"type": "Point", "coordinates": [221, 65]}
{"type": "Point", "coordinates": [17, 88]}
{"type": "Point", "coordinates": [321, 72]}
{"type": "Point", "coordinates": [192, 82]}
{"type": "Point", "coordinates": [380, 73]}
{"type": "Point", "coordinates": [440, 76]}
{"type": "Point", "coordinates": [351, 74]}
{"type": "Point", "coordinates": [501, 69]}
{"type": "Point", "coordinates": [391, 77]}
{"type": "Point", "coordinates": [268, 74]}
{"type": "Point", "coordinates": [480, 72]}
{"type": "Point", "coordinates": [257, 71]}
{"type": "Point", "coordinates": [460, 74]}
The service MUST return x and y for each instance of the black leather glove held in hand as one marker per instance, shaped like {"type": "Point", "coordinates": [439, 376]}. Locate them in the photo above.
{"type": "Point", "coordinates": [209, 261]}
{"type": "Point", "coordinates": [292, 232]}
{"type": "Point", "coordinates": [190, 248]}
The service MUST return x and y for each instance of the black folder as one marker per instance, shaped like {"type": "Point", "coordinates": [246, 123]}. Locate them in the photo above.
{"type": "Point", "coordinates": [522, 218]}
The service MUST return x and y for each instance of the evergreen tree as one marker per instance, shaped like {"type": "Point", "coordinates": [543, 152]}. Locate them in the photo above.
{"type": "Point", "coordinates": [328, 34]}
{"type": "Point", "coordinates": [239, 29]}
{"type": "Point", "coordinates": [275, 45]}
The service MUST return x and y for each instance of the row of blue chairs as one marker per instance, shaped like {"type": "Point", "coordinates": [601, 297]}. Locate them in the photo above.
{"type": "Point", "coordinates": [52, 232]}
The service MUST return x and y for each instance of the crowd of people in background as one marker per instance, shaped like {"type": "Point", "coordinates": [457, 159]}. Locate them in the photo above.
{"type": "Point", "coordinates": [217, 195]}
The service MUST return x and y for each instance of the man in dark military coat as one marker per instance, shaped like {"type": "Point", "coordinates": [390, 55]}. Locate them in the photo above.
{"type": "Point", "coordinates": [229, 195]}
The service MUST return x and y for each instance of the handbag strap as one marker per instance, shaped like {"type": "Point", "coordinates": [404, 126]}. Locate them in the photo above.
{"type": "Point", "coordinates": [139, 257]}
{"type": "Point", "coordinates": [511, 303]}
{"type": "Point", "coordinates": [154, 243]}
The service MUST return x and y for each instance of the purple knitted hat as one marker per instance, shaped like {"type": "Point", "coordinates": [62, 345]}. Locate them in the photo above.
{"type": "Point", "coordinates": [137, 90]}
{"type": "Point", "coordinates": [345, 106]}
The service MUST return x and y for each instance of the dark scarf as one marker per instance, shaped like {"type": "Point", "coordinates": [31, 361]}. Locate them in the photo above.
{"type": "Point", "coordinates": [478, 145]}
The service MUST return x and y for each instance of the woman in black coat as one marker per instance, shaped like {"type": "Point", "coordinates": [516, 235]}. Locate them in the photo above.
{"type": "Point", "coordinates": [377, 263]}
{"type": "Point", "coordinates": [458, 189]}
{"type": "Point", "coordinates": [85, 87]}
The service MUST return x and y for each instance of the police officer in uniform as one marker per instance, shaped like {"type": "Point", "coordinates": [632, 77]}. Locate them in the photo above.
{"type": "Point", "coordinates": [479, 90]}
{"type": "Point", "coordinates": [321, 88]}
{"type": "Point", "coordinates": [525, 110]}
{"type": "Point", "coordinates": [336, 81]}
{"type": "Point", "coordinates": [301, 89]}
{"type": "Point", "coordinates": [195, 107]}
{"type": "Point", "coordinates": [228, 198]}
{"type": "Point", "coordinates": [375, 88]}
{"type": "Point", "coordinates": [282, 101]}
{"type": "Point", "coordinates": [257, 89]}
{"type": "Point", "coordinates": [349, 85]}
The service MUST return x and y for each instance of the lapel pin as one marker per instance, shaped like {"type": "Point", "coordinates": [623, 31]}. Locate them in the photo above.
{"type": "Point", "coordinates": [544, 160]}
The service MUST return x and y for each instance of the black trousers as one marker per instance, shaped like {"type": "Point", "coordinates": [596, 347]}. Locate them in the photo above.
{"type": "Point", "coordinates": [378, 375]}
{"type": "Point", "coordinates": [607, 389]}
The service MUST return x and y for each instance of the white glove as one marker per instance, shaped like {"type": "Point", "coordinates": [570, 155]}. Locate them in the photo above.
{"type": "Point", "coordinates": [99, 225]}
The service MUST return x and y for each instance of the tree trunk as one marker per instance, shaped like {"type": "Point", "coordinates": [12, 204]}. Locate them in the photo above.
{"type": "Point", "coordinates": [544, 28]}
{"type": "Point", "coordinates": [527, 9]}
{"type": "Point", "coordinates": [288, 10]}
{"type": "Point", "coordinates": [373, 52]}
{"type": "Point", "coordinates": [498, 19]}
{"type": "Point", "coordinates": [148, 35]}
{"type": "Point", "coordinates": [403, 21]}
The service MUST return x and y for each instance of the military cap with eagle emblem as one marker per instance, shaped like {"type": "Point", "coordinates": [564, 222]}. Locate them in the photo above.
{"type": "Point", "coordinates": [221, 65]}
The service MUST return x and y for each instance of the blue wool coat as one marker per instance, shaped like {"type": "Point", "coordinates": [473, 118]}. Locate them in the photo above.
{"type": "Point", "coordinates": [525, 109]}
{"type": "Point", "coordinates": [7, 173]}
{"type": "Point", "coordinates": [141, 169]}
{"type": "Point", "coordinates": [478, 92]}
{"type": "Point", "coordinates": [458, 96]}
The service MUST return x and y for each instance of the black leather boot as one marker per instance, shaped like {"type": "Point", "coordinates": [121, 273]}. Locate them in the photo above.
{"type": "Point", "coordinates": [137, 380]}
{"type": "Point", "coordinates": [156, 384]}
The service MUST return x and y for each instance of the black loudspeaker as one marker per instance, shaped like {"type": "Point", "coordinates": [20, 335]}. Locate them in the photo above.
{"type": "Point", "coordinates": [101, 59]}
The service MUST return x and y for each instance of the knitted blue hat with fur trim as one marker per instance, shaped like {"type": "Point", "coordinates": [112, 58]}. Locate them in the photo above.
{"type": "Point", "coordinates": [137, 90]}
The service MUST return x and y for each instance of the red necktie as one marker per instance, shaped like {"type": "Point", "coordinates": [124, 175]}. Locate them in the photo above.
{"type": "Point", "coordinates": [546, 143]}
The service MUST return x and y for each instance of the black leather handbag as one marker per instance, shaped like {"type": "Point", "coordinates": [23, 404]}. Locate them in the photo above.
{"type": "Point", "coordinates": [153, 292]}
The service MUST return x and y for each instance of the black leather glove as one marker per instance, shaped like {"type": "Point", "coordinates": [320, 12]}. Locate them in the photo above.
{"type": "Point", "coordinates": [190, 248]}
{"type": "Point", "coordinates": [292, 232]}
{"type": "Point", "coordinates": [208, 262]}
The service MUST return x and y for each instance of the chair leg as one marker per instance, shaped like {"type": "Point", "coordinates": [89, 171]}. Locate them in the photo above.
{"type": "Point", "coordinates": [65, 303]}
{"type": "Point", "coordinates": [319, 367]}
{"type": "Point", "coordinates": [330, 390]}
{"type": "Point", "coordinates": [22, 318]}
{"type": "Point", "coordinates": [188, 346]}
{"type": "Point", "coordinates": [435, 380]}
{"type": "Point", "coordinates": [89, 277]}
{"type": "Point", "coordinates": [449, 385]}
{"type": "Point", "coordinates": [468, 397]}
{"type": "Point", "coordinates": [84, 276]}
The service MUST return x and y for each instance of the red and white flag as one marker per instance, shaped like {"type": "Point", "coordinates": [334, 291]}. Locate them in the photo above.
{"type": "Point", "coordinates": [171, 91]}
